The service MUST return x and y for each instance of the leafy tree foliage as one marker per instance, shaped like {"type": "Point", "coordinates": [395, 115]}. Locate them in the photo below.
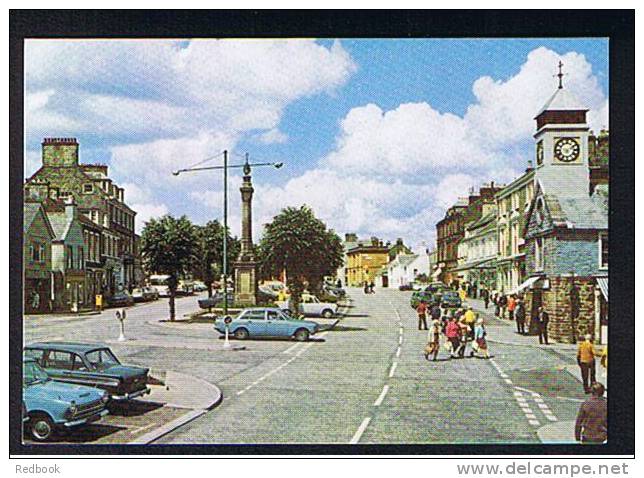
{"type": "Point", "coordinates": [211, 252]}
{"type": "Point", "coordinates": [169, 246]}
{"type": "Point", "coordinates": [301, 244]}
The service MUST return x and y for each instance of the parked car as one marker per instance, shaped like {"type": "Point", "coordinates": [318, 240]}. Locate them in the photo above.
{"type": "Point", "coordinates": [90, 364]}
{"type": "Point", "coordinates": [217, 300]}
{"type": "Point", "coordinates": [144, 294]}
{"type": "Point", "coordinates": [312, 307]}
{"type": "Point", "coordinates": [120, 299]}
{"type": "Point", "coordinates": [429, 298]}
{"type": "Point", "coordinates": [268, 322]}
{"type": "Point", "coordinates": [450, 299]}
{"type": "Point", "coordinates": [49, 405]}
{"type": "Point", "coordinates": [337, 292]}
{"type": "Point", "coordinates": [185, 287]}
{"type": "Point", "coordinates": [199, 286]}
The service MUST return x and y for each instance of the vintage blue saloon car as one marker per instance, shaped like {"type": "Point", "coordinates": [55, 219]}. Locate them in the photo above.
{"type": "Point", "coordinates": [267, 322]}
{"type": "Point", "coordinates": [90, 364]}
{"type": "Point", "coordinates": [49, 405]}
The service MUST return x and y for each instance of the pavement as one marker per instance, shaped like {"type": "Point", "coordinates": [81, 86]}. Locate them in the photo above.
{"type": "Point", "coordinates": [365, 380]}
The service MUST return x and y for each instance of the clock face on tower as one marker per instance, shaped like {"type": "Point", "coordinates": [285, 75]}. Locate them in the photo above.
{"type": "Point", "coordinates": [567, 149]}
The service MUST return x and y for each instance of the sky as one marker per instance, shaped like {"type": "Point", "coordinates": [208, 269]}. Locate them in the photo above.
{"type": "Point", "coordinates": [379, 137]}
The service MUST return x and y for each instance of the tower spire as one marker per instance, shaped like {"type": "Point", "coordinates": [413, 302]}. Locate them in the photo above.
{"type": "Point", "coordinates": [560, 74]}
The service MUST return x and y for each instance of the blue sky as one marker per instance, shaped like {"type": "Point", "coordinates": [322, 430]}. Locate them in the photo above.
{"type": "Point", "coordinates": [378, 136]}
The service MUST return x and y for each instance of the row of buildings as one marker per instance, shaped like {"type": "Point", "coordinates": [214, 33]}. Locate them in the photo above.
{"type": "Point", "coordinates": [544, 236]}
{"type": "Point", "coordinates": [79, 236]}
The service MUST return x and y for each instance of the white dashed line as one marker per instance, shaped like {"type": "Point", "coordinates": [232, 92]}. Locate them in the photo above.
{"type": "Point", "coordinates": [291, 348]}
{"type": "Point", "coordinates": [393, 369]}
{"type": "Point", "coordinates": [398, 350]}
{"type": "Point", "coordinates": [363, 426]}
{"type": "Point", "coordinates": [400, 340]}
{"type": "Point", "coordinates": [379, 400]}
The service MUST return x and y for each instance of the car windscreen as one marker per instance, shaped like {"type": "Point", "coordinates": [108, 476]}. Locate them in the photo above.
{"type": "Point", "coordinates": [101, 359]}
{"type": "Point", "coordinates": [33, 374]}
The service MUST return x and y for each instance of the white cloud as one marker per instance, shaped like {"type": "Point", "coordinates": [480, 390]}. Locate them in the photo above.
{"type": "Point", "coordinates": [147, 211]}
{"type": "Point", "coordinates": [273, 136]}
{"type": "Point", "coordinates": [394, 173]}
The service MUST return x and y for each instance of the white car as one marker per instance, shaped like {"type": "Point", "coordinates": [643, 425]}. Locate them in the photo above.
{"type": "Point", "coordinates": [312, 307]}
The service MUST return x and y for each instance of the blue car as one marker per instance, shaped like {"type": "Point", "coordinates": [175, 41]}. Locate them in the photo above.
{"type": "Point", "coordinates": [90, 364]}
{"type": "Point", "coordinates": [268, 322]}
{"type": "Point", "coordinates": [49, 405]}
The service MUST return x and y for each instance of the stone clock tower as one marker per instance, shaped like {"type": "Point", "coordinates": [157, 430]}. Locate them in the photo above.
{"type": "Point", "coordinates": [246, 266]}
{"type": "Point", "coordinates": [562, 145]}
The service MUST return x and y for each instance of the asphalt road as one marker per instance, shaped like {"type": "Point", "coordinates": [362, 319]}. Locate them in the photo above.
{"type": "Point", "coordinates": [368, 382]}
{"type": "Point", "coordinates": [365, 381]}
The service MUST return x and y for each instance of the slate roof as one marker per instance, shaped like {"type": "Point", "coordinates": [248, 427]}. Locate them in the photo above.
{"type": "Point", "coordinates": [578, 213]}
{"type": "Point", "coordinates": [562, 100]}
{"type": "Point", "coordinates": [60, 224]}
{"type": "Point", "coordinates": [30, 212]}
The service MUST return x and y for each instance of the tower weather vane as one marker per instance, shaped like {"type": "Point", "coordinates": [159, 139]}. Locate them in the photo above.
{"type": "Point", "coordinates": [560, 74]}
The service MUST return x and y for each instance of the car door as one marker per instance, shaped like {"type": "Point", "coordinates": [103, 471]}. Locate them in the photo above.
{"type": "Point", "coordinates": [276, 325]}
{"type": "Point", "coordinates": [308, 306]}
{"type": "Point", "coordinates": [255, 322]}
{"type": "Point", "coordinates": [58, 364]}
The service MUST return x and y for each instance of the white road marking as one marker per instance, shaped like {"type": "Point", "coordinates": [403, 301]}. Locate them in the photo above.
{"type": "Point", "coordinates": [398, 350]}
{"type": "Point", "coordinates": [393, 369]}
{"type": "Point", "coordinates": [379, 400]}
{"type": "Point", "coordinates": [291, 348]}
{"type": "Point", "coordinates": [508, 381]}
{"type": "Point", "coordinates": [361, 429]}
{"type": "Point", "coordinates": [400, 339]}
{"type": "Point", "coordinates": [534, 422]}
{"type": "Point", "coordinates": [241, 392]}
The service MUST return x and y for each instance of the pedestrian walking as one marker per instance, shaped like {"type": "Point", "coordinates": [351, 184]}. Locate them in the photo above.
{"type": "Point", "coordinates": [371, 288]}
{"type": "Point", "coordinates": [479, 339]}
{"type": "Point", "coordinates": [586, 362]}
{"type": "Point", "coordinates": [511, 306]}
{"type": "Point", "coordinates": [435, 312]}
{"type": "Point", "coordinates": [519, 316]}
{"type": "Point", "coordinates": [421, 310]}
{"type": "Point", "coordinates": [338, 284]}
{"type": "Point", "coordinates": [591, 426]}
{"type": "Point", "coordinates": [486, 297]}
{"type": "Point", "coordinates": [503, 302]}
{"type": "Point", "coordinates": [464, 333]}
{"type": "Point", "coordinates": [433, 340]}
{"type": "Point", "coordinates": [366, 287]}
{"type": "Point", "coordinates": [453, 333]}
{"type": "Point", "coordinates": [542, 323]}
{"type": "Point", "coordinates": [470, 320]}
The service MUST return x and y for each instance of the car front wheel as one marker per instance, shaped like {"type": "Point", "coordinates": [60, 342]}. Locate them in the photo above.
{"type": "Point", "coordinates": [327, 313]}
{"type": "Point", "coordinates": [301, 335]}
{"type": "Point", "coordinates": [241, 334]}
{"type": "Point", "coordinates": [41, 427]}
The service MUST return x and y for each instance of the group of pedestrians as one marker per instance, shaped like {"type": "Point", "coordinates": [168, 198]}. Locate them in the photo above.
{"type": "Point", "coordinates": [455, 330]}
{"type": "Point", "coordinates": [368, 287]}
{"type": "Point", "coordinates": [513, 307]}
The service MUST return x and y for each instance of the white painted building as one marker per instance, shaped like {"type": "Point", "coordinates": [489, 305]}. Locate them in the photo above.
{"type": "Point", "coordinates": [404, 268]}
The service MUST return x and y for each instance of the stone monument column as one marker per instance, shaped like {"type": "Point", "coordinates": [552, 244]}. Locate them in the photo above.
{"type": "Point", "coordinates": [246, 266]}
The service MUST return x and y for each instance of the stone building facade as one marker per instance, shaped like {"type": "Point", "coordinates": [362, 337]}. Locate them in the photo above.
{"type": "Point", "coordinates": [107, 222]}
{"type": "Point", "coordinates": [365, 261]}
{"type": "Point", "coordinates": [37, 238]}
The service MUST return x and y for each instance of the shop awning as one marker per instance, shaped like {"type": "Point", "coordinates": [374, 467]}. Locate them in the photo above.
{"type": "Point", "coordinates": [436, 273]}
{"type": "Point", "coordinates": [480, 264]}
{"type": "Point", "coordinates": [526, 284]}
{"type": "Point", "coordinates": [602, 282]}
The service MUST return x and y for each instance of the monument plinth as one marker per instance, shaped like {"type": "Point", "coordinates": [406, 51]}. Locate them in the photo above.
{"type": "Point", "coordinates": [245, 265]}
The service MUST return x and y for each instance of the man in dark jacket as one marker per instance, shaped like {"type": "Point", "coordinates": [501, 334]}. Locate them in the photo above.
{"type": "Point", "coordinates": [542, 321]}
{"type": "Point", "coordinates": [519, 316]}
{"type": "Point", "coordinates": [435, 312]}
{"type": "Point", "coordinates": [591, 424]}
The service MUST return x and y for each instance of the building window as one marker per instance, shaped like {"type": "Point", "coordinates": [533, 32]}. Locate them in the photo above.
{"type": "Point", "coordinates": [603, 250]}
{"type": "Point", "coordinates": [88, 188]}
{"type": "Point", "coordinates": [538, 254]}
{"type": "Point", "coordinates": [64, 194]}
{"type": "Point", "coordinates": [70, 257]}
{"type": "Point", "coordinates": [36, 251]}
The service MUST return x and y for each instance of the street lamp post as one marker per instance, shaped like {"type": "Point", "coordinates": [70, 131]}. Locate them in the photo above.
{"type": "Point", "coordinates": [225, 168]}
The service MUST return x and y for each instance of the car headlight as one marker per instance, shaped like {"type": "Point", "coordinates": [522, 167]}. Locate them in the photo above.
{"type": "Point", "coordinates": [73, 408]}
{"type": "Point", "coordinates": [105, 398]}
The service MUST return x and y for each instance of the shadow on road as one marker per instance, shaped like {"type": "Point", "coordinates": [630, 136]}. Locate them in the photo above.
{"type": "Point", "coordinates": [346, 328]}
{"type": "Point", "coordinates": [132, 408]}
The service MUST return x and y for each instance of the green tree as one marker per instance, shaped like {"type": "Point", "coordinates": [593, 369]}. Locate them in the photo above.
{"type": "Point", "coordinates": [211, 252]}
{"type": "Point", "coordinates": [169, 246]}
{"type": "Point", "coordinates": [301, 244]}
